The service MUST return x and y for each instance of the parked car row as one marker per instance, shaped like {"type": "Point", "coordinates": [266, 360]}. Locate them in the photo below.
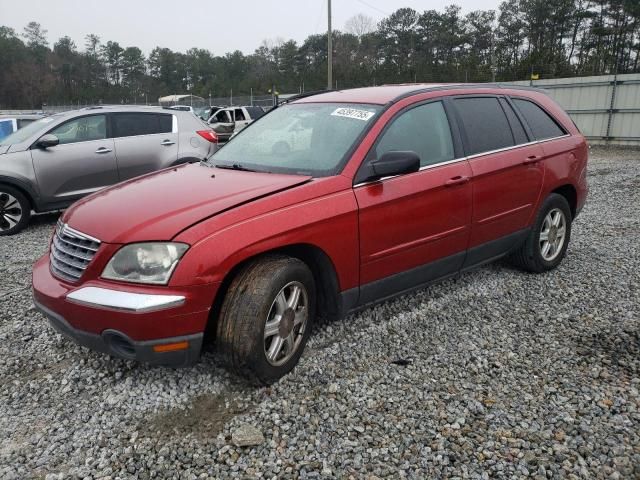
{"type": "Point", "coordinates": [56, 160]}
{"type": "Point", "coordinates": [330, 203]}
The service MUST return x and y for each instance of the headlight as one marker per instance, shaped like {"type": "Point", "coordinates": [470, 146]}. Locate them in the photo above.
{"type": "Point", "coordinates": [145, 262]}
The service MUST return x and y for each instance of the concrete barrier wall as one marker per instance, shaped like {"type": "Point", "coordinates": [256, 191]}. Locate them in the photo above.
{"type": "Point", "coordinates": [606, 108]}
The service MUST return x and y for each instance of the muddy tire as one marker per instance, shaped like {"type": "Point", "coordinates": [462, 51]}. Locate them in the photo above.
{"type": "Point", "coordinates": [266, 318]}
{"type": "Point", "coordinates": [547, 242]}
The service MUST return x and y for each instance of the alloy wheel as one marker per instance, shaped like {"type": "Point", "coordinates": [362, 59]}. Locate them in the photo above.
{"type": "Point", "coordinates": [552, 234]}
{"type": "Point", "coordinates": [10, 211]}
{"type": "Point", "coordinates": [286, 323]}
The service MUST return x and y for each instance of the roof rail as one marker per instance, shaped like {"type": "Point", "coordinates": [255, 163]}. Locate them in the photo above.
{"type": "Point", "coordinates": [305, 95]}
{"type": "Point", "coordinates": [464, 86]}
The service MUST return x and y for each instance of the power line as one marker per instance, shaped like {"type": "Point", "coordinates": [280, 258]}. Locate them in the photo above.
{"type": "Point", "coordinates": [320, 15]}
{"type": "Point", "coordinates": [374, 8]}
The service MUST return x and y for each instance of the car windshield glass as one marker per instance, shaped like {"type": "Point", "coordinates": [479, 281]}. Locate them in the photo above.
{"type": "Point", "coordinates": [23, 134]}
{"type": "Point", "coordinates": [306, 139]}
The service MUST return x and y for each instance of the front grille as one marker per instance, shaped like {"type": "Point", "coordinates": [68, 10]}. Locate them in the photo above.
{"type": "Point", "coordinates": [71, 252]}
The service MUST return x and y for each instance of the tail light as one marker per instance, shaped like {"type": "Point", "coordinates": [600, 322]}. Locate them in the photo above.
{"type": "Point", "coordinates": [208, 135]}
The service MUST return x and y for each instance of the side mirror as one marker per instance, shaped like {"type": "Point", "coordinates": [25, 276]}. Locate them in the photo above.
{"type": "Point", "coordinates": [47, 141]}
{"type": "Point", "coordinates": [395, 163]}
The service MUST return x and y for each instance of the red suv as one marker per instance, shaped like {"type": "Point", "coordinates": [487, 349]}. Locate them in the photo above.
{"type": "Point", "coordinates": [329, 203]}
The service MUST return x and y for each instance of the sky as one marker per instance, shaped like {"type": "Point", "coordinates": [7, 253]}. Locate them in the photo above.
{"type": "Point", "coordinates": [219, 26]}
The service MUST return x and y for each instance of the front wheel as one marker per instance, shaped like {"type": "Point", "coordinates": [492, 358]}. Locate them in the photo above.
{"type": "Point", "coordinates": [15, 210]}
{"type": "Point", "coordinates": [547, 242]}
{"type": "Point", "coordinates": [266, 318]}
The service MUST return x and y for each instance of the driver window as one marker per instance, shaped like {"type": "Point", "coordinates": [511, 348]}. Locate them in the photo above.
{"type": "Point", "coordinates": [423, 129]}
{"type": "Point", "coordinates": [82, 129]}
{"type": "Point", "coordinates": [222, 116]}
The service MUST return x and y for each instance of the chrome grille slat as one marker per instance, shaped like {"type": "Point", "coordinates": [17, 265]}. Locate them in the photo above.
{"type": "Point", "coordinates": [70, 240]}
{"type": "Point", "coordinates": [62, 270]}
{"type": "Point", "coordinates": [69, 260]}
{"type": "Point", "coordinates": [65, 249]}
{"type": "Point", "coordinates": [71, 252]}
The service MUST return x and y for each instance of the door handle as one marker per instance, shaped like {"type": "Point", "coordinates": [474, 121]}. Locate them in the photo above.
{"type": "Point", "coordinates": [167, 143]}
{"type": "Point", "coordinates": [103, 150]}
{"type": "Point", "coordinates": [532, 159]}
{"type": "Point", "coordinates": [459, 180]}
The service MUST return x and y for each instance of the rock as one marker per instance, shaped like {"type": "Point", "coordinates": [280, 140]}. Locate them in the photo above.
{"type": "Point", "coordinates": [247, 436]}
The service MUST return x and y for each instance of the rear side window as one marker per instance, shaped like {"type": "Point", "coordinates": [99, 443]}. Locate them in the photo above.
{"type": "Point", "coordinates": [239, 115]}
{"type": "Point", "coordinates": [485, 124]}
{"type": "Point", "coordinates": [423, 130]}
{"type": "Point", "coordinates": [133, 124]}
{"type": "Point", "coordinates": [255, 112]}
{"type": "Point", "coordinates": [540, 122]}
{"type": "Point", "coordinates": [517, 129]}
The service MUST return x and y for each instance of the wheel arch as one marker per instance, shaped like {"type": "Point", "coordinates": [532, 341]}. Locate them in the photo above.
{"type": "Point", "coordinates": [329, 300]}
{"type": "Point", "coordinates": [26, 191]}
{"type": "Point", "coordinates": [570, 193]}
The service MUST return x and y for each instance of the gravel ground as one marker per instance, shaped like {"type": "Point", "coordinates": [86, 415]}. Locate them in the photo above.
{"type": "Point", "coordinates": [496, 374]}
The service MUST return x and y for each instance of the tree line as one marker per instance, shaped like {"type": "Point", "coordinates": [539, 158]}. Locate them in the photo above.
{"type": "Point", "coordinates": [523, 38]}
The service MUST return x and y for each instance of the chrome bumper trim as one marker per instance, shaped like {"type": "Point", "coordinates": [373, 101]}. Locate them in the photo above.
{"type": "Point", "coordinates": [127, 301]}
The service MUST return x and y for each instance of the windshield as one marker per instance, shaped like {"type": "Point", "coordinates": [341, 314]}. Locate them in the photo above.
{"type": "Point", "coordinates": [23, 134]}
{"type": "Point", "coordinates": [306, 139]}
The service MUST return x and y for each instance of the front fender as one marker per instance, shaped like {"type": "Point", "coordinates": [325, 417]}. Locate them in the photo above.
{"type": "Point", "coordinates": [329, 222]}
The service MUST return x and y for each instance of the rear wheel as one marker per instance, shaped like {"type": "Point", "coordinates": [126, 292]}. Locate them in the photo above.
{"type": "Point", "coordinates": [547, 242]}
{"type": "Point", "coordinates": [15, 210]}
{"type": "Point", "coordinates": [266, 318]}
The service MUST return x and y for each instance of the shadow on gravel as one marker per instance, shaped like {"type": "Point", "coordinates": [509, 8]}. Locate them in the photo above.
{"type": "Point", "coordinates": [618, 349]}
{"type": "Point", "coordinates": [204, 418]}
{"type": "Point", "coordinates": [44, 218]}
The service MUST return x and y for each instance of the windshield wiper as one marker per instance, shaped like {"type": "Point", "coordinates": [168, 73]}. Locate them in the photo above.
{"type": "Point", "coordinates": [234, 166]}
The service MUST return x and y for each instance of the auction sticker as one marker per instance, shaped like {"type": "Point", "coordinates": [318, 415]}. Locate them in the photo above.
{"type": "Point", "coordinates": [353, 113]}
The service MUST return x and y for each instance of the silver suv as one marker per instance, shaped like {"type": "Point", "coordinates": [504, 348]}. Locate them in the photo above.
{"type": "Point", "coordinates": [53, 162]}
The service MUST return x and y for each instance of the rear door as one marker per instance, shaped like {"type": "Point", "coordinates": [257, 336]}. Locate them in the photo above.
{"type": "Point", "coordinates": [507, 174]}
{"type": "Point", "coordinates": [414, 228]}
{"type": "Point", "coordinates": [144, 142]}
{"type": "Point", "coordinates": [82, 163]}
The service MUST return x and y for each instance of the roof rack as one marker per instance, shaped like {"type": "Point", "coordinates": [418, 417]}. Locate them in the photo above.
{"type": "Point", "coordinates": [464, 86]}
{"type": "Point", "coordinates": [305, 95]}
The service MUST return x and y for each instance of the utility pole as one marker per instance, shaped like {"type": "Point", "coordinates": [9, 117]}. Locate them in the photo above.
{"type": "Point", "coordinates": [329, 49]}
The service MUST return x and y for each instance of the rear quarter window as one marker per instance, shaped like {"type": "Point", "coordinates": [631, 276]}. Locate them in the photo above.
{"type": "Point", "coordinates": [542, 125]}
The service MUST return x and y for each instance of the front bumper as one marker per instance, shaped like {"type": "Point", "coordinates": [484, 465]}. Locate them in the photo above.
{"type": "Point", "coordinates": [116, 343]}
{"type": "Point", "coordinates": [156, 325]}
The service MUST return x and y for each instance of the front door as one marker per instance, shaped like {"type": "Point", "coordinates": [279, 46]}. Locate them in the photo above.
{"type": "Point", "coordinates": [82, 163]}
{"type": "Point", "coordinates": [414, 228]}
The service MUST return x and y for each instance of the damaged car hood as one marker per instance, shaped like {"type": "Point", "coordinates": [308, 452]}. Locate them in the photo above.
{"type": "Point", "coordinates": [160, 205]}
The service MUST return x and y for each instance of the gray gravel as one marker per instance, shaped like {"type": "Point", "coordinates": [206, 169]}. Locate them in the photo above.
{"type": "Point", "coordinates": [496, 374]}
